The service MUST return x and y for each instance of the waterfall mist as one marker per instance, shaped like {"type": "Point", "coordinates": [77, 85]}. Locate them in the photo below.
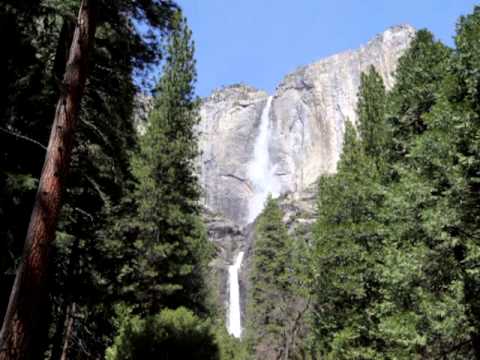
{"type": "Point", "coordinates": [260, 171]}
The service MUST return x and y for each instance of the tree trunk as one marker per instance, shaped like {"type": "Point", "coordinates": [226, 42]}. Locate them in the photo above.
{"type": "Point", "coordinates": [63, 49]}
{"type": "Point", "coordinates": [62, 327]}
{"type": "Point", "coordinates": [29, 293]}
{"type": "Point", "coordinates": [68, 331]}
{"type": "Point", "coordinates": [475, 339]}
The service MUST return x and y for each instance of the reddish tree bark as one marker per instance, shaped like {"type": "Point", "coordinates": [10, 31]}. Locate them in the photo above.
{"type": "Point", "coordinates": [30, 293]}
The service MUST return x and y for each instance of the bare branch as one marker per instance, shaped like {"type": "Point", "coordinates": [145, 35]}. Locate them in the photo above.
{"type": "Point", "coordinates": [23, 137]}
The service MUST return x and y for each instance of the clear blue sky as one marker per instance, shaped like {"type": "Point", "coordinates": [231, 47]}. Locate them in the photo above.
{"type": "Point", "coordinates": [259, 41]}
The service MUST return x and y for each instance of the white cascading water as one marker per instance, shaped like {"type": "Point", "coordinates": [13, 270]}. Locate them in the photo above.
{"type": "Point", "coordinates": [234, 325]}
{"type": "Point", "coordinates": [262, 178]}
{"type": "Point", "coordinates": [260, 171]}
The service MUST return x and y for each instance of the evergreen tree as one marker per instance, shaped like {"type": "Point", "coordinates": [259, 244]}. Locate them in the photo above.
{"type": "Point", "coordinates": [446, 159]}
{"type": "Point", "coordinates": [29, 294]}
{"type": "Point", "coordinates": [171, 334]}
{"type": "Point", "coordinates": [416, 285]}
{"type": "Point", "coordinates": [347, 236]}
{"type": "Point", "coordinates": [418, 77]}
{"type": "Point", "coordinates": [371, 113]}
{"type": "Point", "coordinates": [465, 100]}
{"type": "Point", "coordinates": [347, 250]}
{"type": "Point", "coordinates": [410, 288]}
{"type": "Point", "coordinates": [88, 256]}
{"type": "Point", "coordinates": [85, 256]}
{"type": "Point", "coordinates": [270, 297]}
{"type": "Point", "coordinates": [26, 99]}
{"type": "Point", "coordinates": [170, 247]}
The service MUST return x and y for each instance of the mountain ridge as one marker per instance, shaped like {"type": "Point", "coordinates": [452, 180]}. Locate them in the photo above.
{"type": "Point", "coordinates": [394, 28]}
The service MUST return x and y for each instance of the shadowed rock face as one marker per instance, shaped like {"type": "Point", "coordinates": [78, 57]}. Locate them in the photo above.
{"type": "Point", "coordinates": [307, 119]}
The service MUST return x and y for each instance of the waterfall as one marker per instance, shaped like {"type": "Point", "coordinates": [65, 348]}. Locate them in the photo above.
{"type": "Point", "coordinates": [234, 311]}
{"type": "Point", "coordinates": [260, 171]}
{"type": "Point", "coordinates": [261, 175]}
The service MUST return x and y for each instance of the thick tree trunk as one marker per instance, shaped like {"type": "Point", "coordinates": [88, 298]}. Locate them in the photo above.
{"type": "Point", "coordinates": [29, 293]}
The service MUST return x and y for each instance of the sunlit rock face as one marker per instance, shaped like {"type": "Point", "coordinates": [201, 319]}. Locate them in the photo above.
{"type": "Point", "coordinates": [306, 118]}
{"type": "Point", "coordinates": [228, 128]}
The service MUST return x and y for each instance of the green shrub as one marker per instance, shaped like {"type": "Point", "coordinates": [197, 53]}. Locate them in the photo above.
{"type": "Point", "coordinates": [171, 335]}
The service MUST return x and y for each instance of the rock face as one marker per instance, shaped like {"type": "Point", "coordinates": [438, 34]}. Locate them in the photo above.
{"type": "Point", "coordinates": [228, 129]}
{"type": "Point", "coordinates": [228, 239]}
{"type": "Point", "coordinates": [307, 120]}
{"type": "Point", "coordinates": [143, 105]}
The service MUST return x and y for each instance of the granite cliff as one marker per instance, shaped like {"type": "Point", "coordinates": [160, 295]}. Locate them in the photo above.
{"type": "Point", "coordinates": [306, 118]}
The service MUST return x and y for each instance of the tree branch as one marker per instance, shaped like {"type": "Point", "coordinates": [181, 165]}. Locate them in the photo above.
{"type": "Point", "coordinates": [23, 137]}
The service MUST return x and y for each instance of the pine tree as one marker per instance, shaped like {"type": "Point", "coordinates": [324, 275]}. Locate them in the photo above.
{"type": "Point", "coordinates": [418, 77]}
{"type": "Point", "coordinates": [270, 298]}
{"type": "Point", "coordinates": [30, 291]}
{"type": "Point", "coordinates": [447, 158]}
{"type": "Point", "coordinates": [171, 247]}
{"type": "Point", "coordinates": [85, 256]}
{"type": "Point", "coordinates": [395, 257]}
{"type": "Point", "coordinates": [25, 102]}
{"type": "Point", "coordinates": [466, 101]}
{"type": "Point", "coordinates": [347, 235]}
{"type": "Point", "coordinates": [88, 255]}
{"type": "Point", "coordinates": [171, 334]}
{"type": "Point", "coordinates": [371, 113]}
{"type": "Point", "coordinates": [419, 276]}
{"type": "Point", "coordinates": [347, 249]}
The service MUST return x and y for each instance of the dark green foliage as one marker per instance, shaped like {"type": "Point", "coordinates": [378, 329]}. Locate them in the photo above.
{"type": "Point", "coordinates": [418, 78]}
{"type": "Point", "coordinates": [269, 273]}
{"type": "Point", "coordinates": [455, 166]}
{"type": "Point", "coordinates": [464, 99]}
{"type": "Point", "coordinates": [172, 334]}
{"type": "Point", "coordinates": [88, 256]}
{"type": "Point", "coordinates": [86, 260]}
{"type": "Point", "coordinates": [25, 101]}
{"type": "Point", "coordinates": [230, 347]}
{"type": "Point", "coordinates": [347, 251]}
{"type": "Point", "coordinates": [416, 289]}
{"type": "Point", "coordinates": [171, 248]}
{"type": "Point", "coordinates": [102, 255]}
{"type": "Point", "coordinates": [396, 256]}
{"type": "Point", "coordinates": [348, 237]}
{"type": "Point", "coordinates": [425, 220]}
{"type": "Point", "coordinates": [371, 113]}
{"type": "Point", "coordinates": [275, 305]}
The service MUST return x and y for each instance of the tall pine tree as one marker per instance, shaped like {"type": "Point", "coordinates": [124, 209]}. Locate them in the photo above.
{"type": "Point", "coordinates": [348, 241]}
{"type": "Point", "coordinates": [272, 306]}
{"type": "Point", "coordinates": [171, 246]}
